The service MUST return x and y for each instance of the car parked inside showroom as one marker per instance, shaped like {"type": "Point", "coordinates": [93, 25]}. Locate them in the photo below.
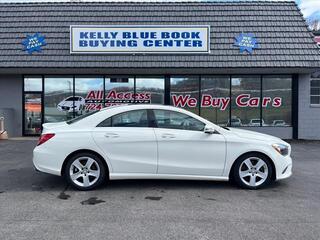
{"type": "Point", "coordinates": [70, 104]}
{"type": "Point", "coordinates": [235, 122]}
{"type": "Point", "coordinates": [256, 122]}
{"type": "Point", "coordinates": [158, 142]}
{"type": "Point", "coordinates": [279, 123]}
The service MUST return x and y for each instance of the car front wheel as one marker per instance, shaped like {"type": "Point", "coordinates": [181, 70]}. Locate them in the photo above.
{"type": "Point", "coordinates": [252, 171]}
{"type": "Point", "coordinates": [85, 171]}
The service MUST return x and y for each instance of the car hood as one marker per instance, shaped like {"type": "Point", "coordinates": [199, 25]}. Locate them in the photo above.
{"type": "Point", "coordinates": [255, 135]}
{"type": "Point", "coordinates": [66, 103]}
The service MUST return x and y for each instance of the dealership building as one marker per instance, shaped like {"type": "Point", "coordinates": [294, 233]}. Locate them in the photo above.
{"type": "Point", "coordinates": [243, 64]}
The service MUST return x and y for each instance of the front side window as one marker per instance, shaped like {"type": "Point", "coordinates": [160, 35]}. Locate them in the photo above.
{"type": "Point", "coordinates": [137, 118]}
{"type": "Point", "coordinates": [315, 92]}
{"type": "Point", "coordinates": [175, 120]}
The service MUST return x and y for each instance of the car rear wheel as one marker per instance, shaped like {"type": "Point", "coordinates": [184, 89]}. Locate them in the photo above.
{"type": "Point", "coordinates": [252, 171]}
{"type": "Point", "coordinates": [85, 171]}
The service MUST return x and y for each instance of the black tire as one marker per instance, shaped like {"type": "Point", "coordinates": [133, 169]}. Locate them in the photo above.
{"type": "Point", "coordinates": [244, 182]}
{"type": "Point", "coordinates": [97, 166]}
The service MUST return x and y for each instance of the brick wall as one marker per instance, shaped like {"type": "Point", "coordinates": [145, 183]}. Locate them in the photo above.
{"type": "Point", "coordinates": [309, 117]}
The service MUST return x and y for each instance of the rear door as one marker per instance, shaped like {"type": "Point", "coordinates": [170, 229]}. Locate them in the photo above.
{"type": "Point", "coordinates": [128, 142]}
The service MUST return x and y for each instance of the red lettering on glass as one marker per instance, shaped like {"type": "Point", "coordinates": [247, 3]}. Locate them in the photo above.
{"type": "Point", "coordinates": [239, 101]}
{"type": "Point", "coordinates": [180, 100]}
{"type": "Point", "coordinates": [277, 101]}
{"type": "Point", "coordinates": [254, 102]}
{"type": "Point", "coordinates": [266, 101]}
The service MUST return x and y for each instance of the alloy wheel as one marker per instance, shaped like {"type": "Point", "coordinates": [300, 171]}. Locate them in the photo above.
{"type": "Point", "coordinates": [84, 171]}
{"type": "Point", "coordinates": [253, 171]}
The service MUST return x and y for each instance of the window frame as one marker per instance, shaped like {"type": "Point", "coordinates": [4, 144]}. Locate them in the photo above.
{"type": "Point", "coordinates": [312, 95]}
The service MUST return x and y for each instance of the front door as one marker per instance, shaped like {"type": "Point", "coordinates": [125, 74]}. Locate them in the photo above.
{"type": "Point", "coordinates": [183, 147]}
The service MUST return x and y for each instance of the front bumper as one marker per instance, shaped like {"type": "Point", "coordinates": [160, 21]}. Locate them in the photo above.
{"type": "Point", "coordinates": [283, 167]}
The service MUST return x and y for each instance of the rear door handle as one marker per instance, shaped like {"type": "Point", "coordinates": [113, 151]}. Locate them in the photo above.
{"type": "Point", "coordinates": [168, 135]}
{"type": "Point", "coordinates": [111, 135]}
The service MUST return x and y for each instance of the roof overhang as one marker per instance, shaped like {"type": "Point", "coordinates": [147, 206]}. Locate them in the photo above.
{"type": "Point", "coordinates": [156, 71]}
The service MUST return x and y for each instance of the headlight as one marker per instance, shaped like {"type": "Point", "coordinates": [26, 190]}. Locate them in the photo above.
{"type": "Point", "coordinates": [281, 148]}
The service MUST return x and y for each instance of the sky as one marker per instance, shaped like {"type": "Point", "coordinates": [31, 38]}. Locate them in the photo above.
{"type": "Point", "coordinates": [309, 8]}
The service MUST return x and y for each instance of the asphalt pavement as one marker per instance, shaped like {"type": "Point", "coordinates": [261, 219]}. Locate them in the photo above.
{"type": "Point", "coordinates": [35, 205]}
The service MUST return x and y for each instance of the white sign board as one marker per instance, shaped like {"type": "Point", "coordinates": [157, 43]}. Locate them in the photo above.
{"type": "Point", "coordinates": [139, 39]}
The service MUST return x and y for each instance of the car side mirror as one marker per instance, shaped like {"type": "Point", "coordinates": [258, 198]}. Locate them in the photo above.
{"type": "Point", "coordinates": [209, 130]}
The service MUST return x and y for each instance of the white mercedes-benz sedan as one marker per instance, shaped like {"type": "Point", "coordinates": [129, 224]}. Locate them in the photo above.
{"type": "Point", "coordinates": [158, 142]}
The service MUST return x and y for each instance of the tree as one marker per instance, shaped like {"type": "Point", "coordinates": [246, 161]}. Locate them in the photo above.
{"type": "Point", "coordinates": [314, 24]}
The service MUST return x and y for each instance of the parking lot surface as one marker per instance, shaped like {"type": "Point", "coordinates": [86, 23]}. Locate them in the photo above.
{"type": "Point", "coordinates": [39, 206]}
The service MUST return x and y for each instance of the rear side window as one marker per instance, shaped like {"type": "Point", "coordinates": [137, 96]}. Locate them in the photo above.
{"type": "Point", "coordinates": [77, 119]}
{"type": "Point", "coordinates": [105, 123]}
{"type": "Point", "coordinates": [136, 118]}
{"type": "Point", "coordinates": [176, 120]}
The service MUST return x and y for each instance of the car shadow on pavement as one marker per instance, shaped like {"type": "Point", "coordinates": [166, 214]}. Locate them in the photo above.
{"type": "Point", "coordinates": [28, 181]}
{"type": "Point", "coordinates": [47, 182]}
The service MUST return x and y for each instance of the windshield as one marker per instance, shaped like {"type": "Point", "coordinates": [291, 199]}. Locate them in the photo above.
{"type": "Point", "coordinates": [81, 117]}
{"type": "Point", "coordinates": [72, 99]}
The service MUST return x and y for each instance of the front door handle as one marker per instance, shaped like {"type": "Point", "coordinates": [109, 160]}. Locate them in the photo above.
{"type": "Point", "coordinates": [168, 135]}
{"type": "Point", "coordinates": [111, 135]}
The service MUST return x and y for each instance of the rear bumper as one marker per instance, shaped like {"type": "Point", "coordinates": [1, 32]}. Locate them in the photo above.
{"type": "Point", "coordinates": [45, 162]}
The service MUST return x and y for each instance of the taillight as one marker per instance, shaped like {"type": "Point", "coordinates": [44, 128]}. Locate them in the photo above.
{"type": "Point", "coordinates": [45, 137]}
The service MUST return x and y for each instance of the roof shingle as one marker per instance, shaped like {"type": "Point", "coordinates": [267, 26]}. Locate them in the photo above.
{"type": "Point", "coordinates": [284, 39]}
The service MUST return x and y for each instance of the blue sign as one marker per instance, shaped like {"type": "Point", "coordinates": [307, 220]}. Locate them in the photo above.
{"type": "Point", "coordinates": [34, 43]}
{"type": "Point", "coordinates": [246, 42]}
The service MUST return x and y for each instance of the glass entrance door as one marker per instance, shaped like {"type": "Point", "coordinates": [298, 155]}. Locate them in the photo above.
{"type": "Point", "coordinates": [32, 113]}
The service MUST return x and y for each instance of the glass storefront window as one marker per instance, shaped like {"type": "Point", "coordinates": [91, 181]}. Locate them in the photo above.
{"type": "Point", "coordinates": [89, 94]}
{"type": "Point", "coordinates": [119, 90]}
{"type": "Point", "coordinates": [215, 99]}
{"type": "Point", "coordinates": [32, 113]}
{"type": "Point", "coordinates": [150, 90]}
{"type": "Point", "coordinates": [277, 100]}
{"type": "Point", "coordinates": [58, 98]}
{"type": "Point", "coordinates": [245, 105]}
{"type": "Point", "coordinates": [33, 84]}
{"type": "Point", "coordinates": [185, 92]}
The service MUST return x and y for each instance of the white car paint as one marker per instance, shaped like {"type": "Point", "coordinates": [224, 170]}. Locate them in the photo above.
{"type": "Point", "coordinates": [190, 152]}
{"type": "Point", "coordinates": [130, 150]}
{"type": "Point", "coordinates": [156, 153]}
